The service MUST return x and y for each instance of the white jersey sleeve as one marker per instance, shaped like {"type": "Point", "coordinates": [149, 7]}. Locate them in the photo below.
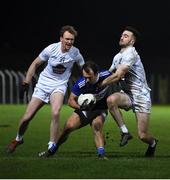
{"type": "Point", "coordinates": [45, 54]}
{"type": "Point", "coordinates": [80, 60]}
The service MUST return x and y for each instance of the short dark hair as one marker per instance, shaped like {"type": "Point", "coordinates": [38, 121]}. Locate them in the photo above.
{"type": "Point", "coordinates": [90, 65]}
{"type": "Point", "coordinates": [68, 28]}
{"type": "Point", "coordinates": [135, 32]}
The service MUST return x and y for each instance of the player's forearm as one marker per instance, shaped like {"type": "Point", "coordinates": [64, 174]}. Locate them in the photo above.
{"type": "Point", "coordinates": [32, 69]}
{"type": "Point", "coordinates": [30, 74]}
{"type": "Point", "coordinates": [110, 80]}
{"type": "Point", "coordinates": [72, 103]}
{"type": "Point", "coordinates": [117, 75]}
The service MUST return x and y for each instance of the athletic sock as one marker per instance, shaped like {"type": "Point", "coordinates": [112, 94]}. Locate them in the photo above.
{"type": "Point", "coordinates": [153, 144]}
{"type": "Point", "coordinates": [100, 151]}
{"type": "Point", "coordinates": [124, 129]}
{"type": "Point", "coordinates": [52, 146]}
{"type": "Point", "coordinates": [18, 138]}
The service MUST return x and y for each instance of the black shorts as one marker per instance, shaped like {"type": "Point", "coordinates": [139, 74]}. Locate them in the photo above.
{"type": "Point", "coordinates": [100, 105]}
{"type": "Point", "coordinates": [86, 117]}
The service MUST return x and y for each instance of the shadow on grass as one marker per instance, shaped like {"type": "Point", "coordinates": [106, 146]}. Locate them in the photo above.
{"type": "Point", "coordinates": [4, 125]}
{"type": "Point", "coordinates": [110, 155]}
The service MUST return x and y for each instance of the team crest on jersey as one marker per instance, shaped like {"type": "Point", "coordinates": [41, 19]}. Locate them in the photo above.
{"type": "Point", "coordinates": [59, 69]}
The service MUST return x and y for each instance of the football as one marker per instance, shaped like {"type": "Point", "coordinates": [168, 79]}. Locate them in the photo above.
{"type": "Point", "coordinates": [86, 99]}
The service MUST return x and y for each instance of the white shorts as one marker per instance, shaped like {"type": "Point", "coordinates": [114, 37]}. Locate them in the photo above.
{"type": "Point", "coordinates": [141, 101]}
{"type": "Point", "coordinates": [45, 95]}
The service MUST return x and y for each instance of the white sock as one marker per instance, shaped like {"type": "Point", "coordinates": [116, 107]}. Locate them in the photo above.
{"type": "Point", "coordinates": [50, 144]}
{"type": "Point", "coordinates": [154, 143]}
{"type": "Point", "coordinates": [124, 129]}
{"type": "Point", "coordinates": [18, 138]}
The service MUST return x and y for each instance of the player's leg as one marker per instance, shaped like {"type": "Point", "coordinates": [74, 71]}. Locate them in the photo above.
{"type": "Point", "coordinates": [34, 105]}
{"type": "Point", "coordinates": [143, 125]}
{"type": "Point", "coordinates": [97, 127]}
{"type": "Point", "coordinates": [114, 102]}
{"type": "Point", "coordinates": [72, 124]}
{"type": "Point", "coordinates": [56, 101]}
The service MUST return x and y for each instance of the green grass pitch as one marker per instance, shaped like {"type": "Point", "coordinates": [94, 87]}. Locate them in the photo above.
{"type": "Point", "coordinates": [77, 158]}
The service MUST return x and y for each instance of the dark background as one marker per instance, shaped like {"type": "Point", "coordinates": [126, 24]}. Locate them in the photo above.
{"type": "Point", "coordinates": [27, 27]}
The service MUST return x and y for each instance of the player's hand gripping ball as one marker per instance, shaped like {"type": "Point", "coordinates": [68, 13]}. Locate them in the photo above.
{"type": "Point", "coordinates": [86, 101]}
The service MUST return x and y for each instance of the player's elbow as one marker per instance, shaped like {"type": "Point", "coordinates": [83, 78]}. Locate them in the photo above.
{"type": "Point", "coordinates": [117, 77]}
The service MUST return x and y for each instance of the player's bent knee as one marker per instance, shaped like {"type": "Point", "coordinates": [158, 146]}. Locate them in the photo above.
{"type": "Point", "coordinates": [97, 126]}
{"type": "Point", "coordinates": [69, 126]}
{"type": "Point", "coordinates": [111, 100]}
{"type": "Point", "coordinates": [27, 117]}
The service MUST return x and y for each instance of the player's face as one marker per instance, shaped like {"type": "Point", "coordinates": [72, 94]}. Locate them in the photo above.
{"type": "Point", "coordinates": [126, 39]}
{"type": "Point", "coordinates": [90, 77]}
{"type": "Point", "coordinates": [67, 41]}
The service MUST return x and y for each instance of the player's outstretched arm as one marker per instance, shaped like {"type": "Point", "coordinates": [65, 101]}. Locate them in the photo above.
{"type": "Point", "coordinates": [116, 76]}
{"type": "Point", "coordinates": [32, 69]}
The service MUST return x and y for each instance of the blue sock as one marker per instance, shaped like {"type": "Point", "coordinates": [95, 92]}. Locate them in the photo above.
{"type": "Point", "coordinates": [100, 151]}
{"type": "Point", "coordinates": [53, 148]}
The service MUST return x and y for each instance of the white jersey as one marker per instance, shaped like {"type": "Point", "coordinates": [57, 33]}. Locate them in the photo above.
{"type": "Point", "coordinates": [134, 83]}
{"type": "Point", "coordinates": [135, 79]}
{"type": "Point", "coordinates": [59, 66]}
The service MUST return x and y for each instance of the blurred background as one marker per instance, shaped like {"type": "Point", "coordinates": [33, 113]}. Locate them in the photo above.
{"type": "Point", "coordinates": [27, 27]}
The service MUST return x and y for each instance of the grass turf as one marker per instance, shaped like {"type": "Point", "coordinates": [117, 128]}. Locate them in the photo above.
{"type": "Point", "coordinates": [77, 157]}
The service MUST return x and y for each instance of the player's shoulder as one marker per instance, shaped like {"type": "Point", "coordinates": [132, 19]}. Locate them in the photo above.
{"type": "Point", "coordinates": [81, 82]}
{"type": "Point", "coordinates": [74, 52]}
{"type": "Point", "coordinates": [73, 48]}
{"type": "Point", "coordinates": [129, 50]}
{"type": "Point", "coordinates": [53, 46]}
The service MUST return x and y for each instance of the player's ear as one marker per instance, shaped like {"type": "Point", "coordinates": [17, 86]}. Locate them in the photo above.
{"type": "Point", "coordinates": [133, 40]}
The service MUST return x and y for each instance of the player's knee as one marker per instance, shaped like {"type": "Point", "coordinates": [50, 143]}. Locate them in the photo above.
{"type": "Point", "coordinates": [27, 117]}
{"type": "Point", "coordinates": [69, 126]}
{"type": "Point", "coordinates": [97, 126]}
{"type": "Point", "coordinates": [55, 114]}
{"type": "Point", "coordinates": [111, 100]}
